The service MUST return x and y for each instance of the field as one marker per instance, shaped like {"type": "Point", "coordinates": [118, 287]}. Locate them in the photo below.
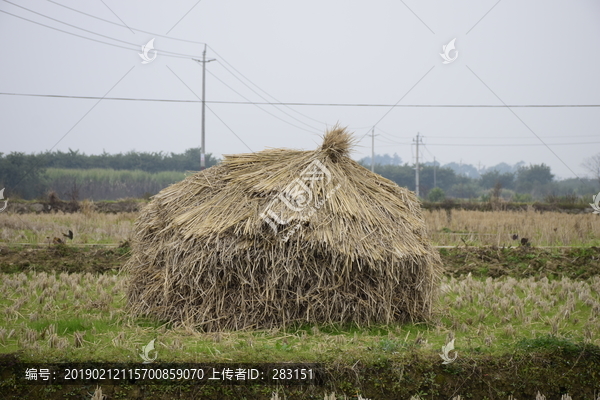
{"type": "Point", "coordinates": [99, 183]}
{"type": "Point", "coordinates": [495, 228]}
{"type": "Point", "coordinates": [524, 318]}
{"type": "Point", "coordinates": [446, 228]}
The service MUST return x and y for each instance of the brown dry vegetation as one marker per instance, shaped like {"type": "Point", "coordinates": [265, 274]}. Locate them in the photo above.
{"type": "Point", "coordinates": [88, 227]}
{"type": "Point", "coordinates": [495, 228]}
{"type": "Point", "coordinates": [203, 255]}
{"type": "Point", "coordinates": [445, 228]}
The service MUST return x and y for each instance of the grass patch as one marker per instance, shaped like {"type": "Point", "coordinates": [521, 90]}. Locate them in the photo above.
{"type": "Point", "coordinates": [500, 326]}
{"type": "Point", "coordinates": [552, 343]}
{"type": "Point", "coordinates": [484, 316]}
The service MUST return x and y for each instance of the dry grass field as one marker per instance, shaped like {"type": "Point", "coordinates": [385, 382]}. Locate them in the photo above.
{"type": "Point", "coordinates": [497, 227]}
{"type": "Point", "coordinates": [88, 227]}
{"type": "Point", "coordinates": [476, 228]}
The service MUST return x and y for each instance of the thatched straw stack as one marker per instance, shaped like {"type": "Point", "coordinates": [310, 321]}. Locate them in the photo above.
{"type": "Point", "coordinates": [282, 236]}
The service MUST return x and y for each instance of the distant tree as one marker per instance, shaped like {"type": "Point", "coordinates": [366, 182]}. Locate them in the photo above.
{"type": "Point", "coordinates": [463, 169]}
{"type": "Point", "coordinates": [153, 162]}
{"type": "Point", "coordinates": [466, 190]}
{"type": "Point", "coordinates": [402, 175]}
{"type": "Point", "coordinates": [496, 191]}
{"type": "Point", "coordinates": [504, 167]}
{"type": "Point", "coordinates": [490, 179]}
{"type": "Point", "coordinates": [22, 175]}
{"type": "Point", "coordinates": [384, 159]}
{"type": "Point", "coordinates": [444, 177]}
{"type": "Point", "coordinates": [533, 176]}
{"type": "Point", "coordinates": [582, 187]}
{"type": "Point", "coordinates": [436, 194]}
{"type": "Point", "coordinates": [522, 198]}
{"type": "Point", "coordinates": [592, 164]}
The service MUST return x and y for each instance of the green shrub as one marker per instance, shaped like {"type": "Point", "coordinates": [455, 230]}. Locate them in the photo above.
{"type": "Point", "coordinates": [436, 195]}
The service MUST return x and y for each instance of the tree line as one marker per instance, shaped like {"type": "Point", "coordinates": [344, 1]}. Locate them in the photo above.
{"type": "Point", "coordinates": [25, 175]}
{"type": "Point", "coordinates": [74, 174]}
{"type": "Point", "coordinates": [527, 183]}
{"type": "Point", "coordinates": [154, 162]}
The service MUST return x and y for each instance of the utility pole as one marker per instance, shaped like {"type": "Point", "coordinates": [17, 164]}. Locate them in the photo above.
{"type": "Point", "coordinates": [202, 145]}
{"type": "Point", "coordinates": [434, 168]}
{"type": "Point", "coordinates": [417, 169]}
{"type": "Point", "coordinates": [373, 150]}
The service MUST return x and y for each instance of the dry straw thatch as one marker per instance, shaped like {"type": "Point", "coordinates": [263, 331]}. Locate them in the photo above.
{"type": "Point", "coordinates": [281, 236]}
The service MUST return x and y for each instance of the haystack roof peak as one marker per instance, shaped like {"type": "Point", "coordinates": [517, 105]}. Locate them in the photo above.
{"type": "Point", "coordinates": [337, 142]}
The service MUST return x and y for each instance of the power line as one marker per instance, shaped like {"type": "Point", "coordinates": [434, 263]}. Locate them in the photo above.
{"type": "Point", "coordinates": [523, 122]}
{"type": "Point", "coordinates": [242, 96]}
{"type": "Point", "coordinates": [259, 88]}
{"type": "Point", "coordinates": [497, 145]}
{"type": "Point", "coordinates": [405, 94]}
{"type": "Point", "coordinates": [505, 137]}
{"type": "Point", "coordinates": [385, 137]}
{"type": "Point", "coordinates": [262, 97]}
{"type": "Point", "coordinates": [510, 145]}
{"type": "Point", "coordinates": [125, 26]}
{"type": "Point", "coordinates": [389, 141]}
{"type": "Point", "coordinates": [394, 139]}
{"type": "Point", "coordinates": [181, 55]}
{"type": "Point", "coordinates": [77, 123]}
{"type": "Point", "coordinates": [163, 52]}
{"type": "Point", "coordinates": [96, 97]}
{"type": "Point", "coordinates": [430, 153]}
{"type": "Point", "coordinates": [189, 41]}
{"type": "Point", "coordinates": [196, 42]}
{"type": "Point", "coordinates": [65, 23]}
{"type": "Point", "coordinates": [308, 104]}
{"type": "Point", "coordinates": [297, 104]}
{"type": "Point", "coordinates": [231, 130]}
{"type": "Point", "coordinates": [386, 133]}
{"type": "Point", "coordinates": [391, 137]}
{"type": "Point", "coordinates": [198, 97]}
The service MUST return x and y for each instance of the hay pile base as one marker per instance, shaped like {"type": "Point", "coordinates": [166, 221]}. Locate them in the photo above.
{"type": "Point", "coordinates": [202, 254]}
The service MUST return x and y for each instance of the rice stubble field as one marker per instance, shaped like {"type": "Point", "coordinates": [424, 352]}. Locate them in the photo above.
{"type": "Point", "coordinates": [499, 313]}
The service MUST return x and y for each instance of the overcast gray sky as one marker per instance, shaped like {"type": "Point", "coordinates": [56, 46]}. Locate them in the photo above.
{"type": "Point", "coordinates": [379, 52]}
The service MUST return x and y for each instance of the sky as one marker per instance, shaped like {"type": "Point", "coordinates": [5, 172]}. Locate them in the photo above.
{"type": "Point", "coordinates": [374, 67]}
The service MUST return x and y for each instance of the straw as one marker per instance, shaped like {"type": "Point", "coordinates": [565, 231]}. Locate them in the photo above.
{"type": "Point", "coordinates": [202, 254]}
